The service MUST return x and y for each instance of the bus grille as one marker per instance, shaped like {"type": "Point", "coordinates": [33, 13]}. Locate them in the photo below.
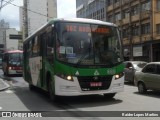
{"type": "Point", "coordinates": [85, 82]}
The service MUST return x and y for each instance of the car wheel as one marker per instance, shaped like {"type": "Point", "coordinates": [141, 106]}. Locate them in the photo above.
{"type": "Point", "coordinates": [109, 95]}
{"type": "Point", "coordinates": [141, 88]}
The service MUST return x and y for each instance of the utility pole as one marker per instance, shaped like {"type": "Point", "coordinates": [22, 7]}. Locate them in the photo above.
{"type": "Point", "coordinates": [130, 33]}
{"type": "Point", "coordinates": [151, 27]}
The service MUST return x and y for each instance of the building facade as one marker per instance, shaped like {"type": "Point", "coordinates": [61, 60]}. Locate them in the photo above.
{"type": "Point", "coordinates": [37, 13]}
{"type": "Point", "coordinates": [3, 27]}
{"type": "Point", "coordinates": [139, 22]}
{"type": "Point", "coordinates": [93, 9]}
{"type": "Point", "coordinates": [11, 44]}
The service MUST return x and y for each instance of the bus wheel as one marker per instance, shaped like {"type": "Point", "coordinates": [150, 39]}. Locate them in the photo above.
{"type": "Point", "coordinates": [109, 95]}
{"type": "Point", "coordinates": [52, 96]}
{"type": "Point", "coordinates": [7, 74]}
{"type": "Point", "coordinates": [31, 87]}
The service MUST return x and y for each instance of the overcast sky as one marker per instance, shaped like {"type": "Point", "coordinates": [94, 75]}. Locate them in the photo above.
{"type": "Point", "coordinates": [10, 13]}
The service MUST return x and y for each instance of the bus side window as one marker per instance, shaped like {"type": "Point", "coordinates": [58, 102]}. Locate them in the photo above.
{"type": "Point", "coordinates": [36, 46]}
{"type": "Point", "coordinates": [50, 44]}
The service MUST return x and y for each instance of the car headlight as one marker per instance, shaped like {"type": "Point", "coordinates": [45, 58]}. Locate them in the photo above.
{"type": "Point", "coordinates": [119, 75]}
{"type": "Point", "coordinates": [66, 77]}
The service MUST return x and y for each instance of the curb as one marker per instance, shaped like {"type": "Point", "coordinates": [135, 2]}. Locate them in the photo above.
{"type": "Point", "coordinates": [3, 85]}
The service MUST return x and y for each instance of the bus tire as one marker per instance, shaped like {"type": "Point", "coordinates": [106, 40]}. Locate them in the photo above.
{"type": "Point", "coordinates": [109, 95]}
{"type": "Point", "coordinates": [7, 73]}
{"type": "Point", "coordinates": [31, 87]}
{"type": "Point", "coordinates": [52, 95]}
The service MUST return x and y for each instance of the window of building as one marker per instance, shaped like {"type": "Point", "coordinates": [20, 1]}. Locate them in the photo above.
{"type": "Point", "coordinates": [125, 1]}
{"type": "Point", "coordinates": [145, 29]}
{"type": "Point", "coordinates": [158, 28]}
{"type": "Point", "coordinates": [110, 18]}
{"type": "Point", "coordinates": [125, 13]}
{"type": "Point", "coordinates": [135, 31]}
{"type": "Point", "coordinates": [117, 16]}
{"type": "Point", "coordinates": [117, 1]}
{"type": "Point", "coordinates": [158, 5]}
{"type": "Point", "coordinates": [146, 6]}
{"type": "Point", "coordinates": [110, 2]}
{"type": "Point", "coordinates": [125, 33]}
{"type": "Point", "coordinates": [135, 10]}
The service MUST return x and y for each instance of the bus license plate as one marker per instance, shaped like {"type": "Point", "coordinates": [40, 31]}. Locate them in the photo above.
{"type": "Point", "coordinates": [96, 84]}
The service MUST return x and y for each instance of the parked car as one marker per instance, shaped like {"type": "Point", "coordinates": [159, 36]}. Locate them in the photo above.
{"type": "Point", "coordinates": [131, 67]}
{"type": "Point", "coordinates": [148, 77]}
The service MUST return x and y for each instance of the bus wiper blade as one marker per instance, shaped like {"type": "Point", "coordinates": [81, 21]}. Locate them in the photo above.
{"type": "Point", "coordinates": [80, 60]}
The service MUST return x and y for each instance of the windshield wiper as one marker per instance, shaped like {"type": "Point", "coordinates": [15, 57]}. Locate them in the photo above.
{"type": "Point", "coordinates": [83, 56]}
{"type": "Point", "coordinates": [80, 60]}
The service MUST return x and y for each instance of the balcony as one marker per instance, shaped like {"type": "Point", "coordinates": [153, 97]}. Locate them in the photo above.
{"type": "Point", "coordinates": [124, 2]}
{"type": "Point", "coordinates": [146, 38]}
{"type": "Point", "coordinates": [135, 18]}
{"type": "Point", "coordinates": [125, 41]}
{"type": "Point", "coordinates": [125, 20]}
{"type": "Point", "coordinates": [135, 39]}
{"type": "Point", "coordinates": [145, 15]}
{"type": "Point", "coordinates": [119, 22]}
{"type": "Point", "coordinates": [109, 8]}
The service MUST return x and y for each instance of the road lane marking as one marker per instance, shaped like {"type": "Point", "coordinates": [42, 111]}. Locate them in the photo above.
{"type": "Point", "coordinates": [0, 108]}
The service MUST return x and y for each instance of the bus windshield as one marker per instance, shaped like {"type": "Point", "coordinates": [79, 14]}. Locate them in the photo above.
{"type": "Point", "coordinates": [88, 44]}
{"type": "Point", "coordinates": [15, 59]}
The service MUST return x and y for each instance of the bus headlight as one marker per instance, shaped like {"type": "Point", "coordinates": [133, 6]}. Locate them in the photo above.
{"type": "Point", "coordinates": [69, 77]}
{"type": "Point", "coordinates": [119, 75]}
{"type": "Point", "coordinates": [66, 77]}
{"type": "Point", "coordinates": [9, 68]}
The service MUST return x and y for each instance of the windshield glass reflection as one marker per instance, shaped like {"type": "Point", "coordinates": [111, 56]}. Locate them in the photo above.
{"type": "Point", "coordinates": [88, 44]}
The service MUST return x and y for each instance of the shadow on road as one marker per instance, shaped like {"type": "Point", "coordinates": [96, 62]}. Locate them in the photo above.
{"type": "Point", "coordinates": [38, 100]}
{"type": "Point", "coordinates": [150, 93]}
{"type": "Point", "coordinates": [90, 101]}
{"type": "Point", "coordinates": [129, 83]}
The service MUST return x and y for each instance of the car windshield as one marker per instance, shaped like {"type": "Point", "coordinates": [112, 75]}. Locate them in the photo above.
{"type": "Point", "coordinates": [88, 44]}
{"type": "Point", "coordinates": [139, 65]}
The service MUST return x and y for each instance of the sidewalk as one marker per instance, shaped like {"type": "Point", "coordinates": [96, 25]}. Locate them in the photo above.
{"type": "Point", "coordinates": [3, 84]}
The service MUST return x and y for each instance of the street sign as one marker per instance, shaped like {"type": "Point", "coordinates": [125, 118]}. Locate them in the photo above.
{"type": "Point", "coordinates": [11, 36]}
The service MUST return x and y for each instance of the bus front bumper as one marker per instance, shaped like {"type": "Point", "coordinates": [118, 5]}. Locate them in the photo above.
{"type": "Point", "coordinates": [14, 71]}
{"type": "Point", "coordinates": [72, 88]}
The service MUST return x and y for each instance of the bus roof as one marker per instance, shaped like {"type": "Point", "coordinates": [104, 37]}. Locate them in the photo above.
{"type": "Point", "coordinates": [83, 20]}
{"type": "Point", "coordinates": [78, 20]}
{"type": "Point", "coordinates": [14, 51]}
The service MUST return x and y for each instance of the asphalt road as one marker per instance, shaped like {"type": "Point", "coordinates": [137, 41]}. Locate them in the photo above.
{"type": "Point", "coordinates": [19, 98]}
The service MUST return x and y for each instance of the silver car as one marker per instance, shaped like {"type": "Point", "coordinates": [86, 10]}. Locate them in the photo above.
{"type": "Point", "coordinates": [148, 77]}
{"type": "Point", "coordinates": [131, 67]}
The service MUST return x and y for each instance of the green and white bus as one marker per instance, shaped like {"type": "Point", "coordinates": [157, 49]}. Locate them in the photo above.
{"type": "Point", "coordinates": [72, 57]}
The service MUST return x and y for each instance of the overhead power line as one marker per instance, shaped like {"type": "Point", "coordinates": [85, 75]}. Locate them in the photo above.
{"type": "Point", "coordinates": [28, 9]}
{"type": "Point", "coordinates": [7, 2]}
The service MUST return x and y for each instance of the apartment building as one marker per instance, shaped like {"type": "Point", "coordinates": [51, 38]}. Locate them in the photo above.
{"type": "Point", "coordinates": [93, 9]}
{"type": "Point", "coordinates": [37, 13]}
{"type": "Point", "coordinates": [139, 23]}
{"type": "Point", "coordinates": [3, 27]}
{"type": "Point", "coordinates": [11, 44]}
